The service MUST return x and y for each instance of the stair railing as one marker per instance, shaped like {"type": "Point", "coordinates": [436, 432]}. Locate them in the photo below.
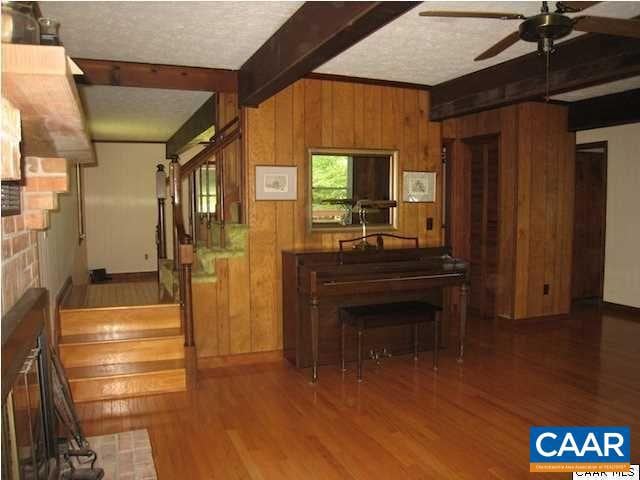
{"type": "Point", "coordinates": [183, 242]}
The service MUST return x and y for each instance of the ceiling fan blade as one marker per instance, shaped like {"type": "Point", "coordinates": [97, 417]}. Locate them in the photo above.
{"type": "Point", "coordinates": [607, 25]}
{"type": "Point", "coordinates": [564, 7]}
{"type": "Point", "coordinates": [497, 15]}
{"type": "Point", "coordinates": [499, 47]}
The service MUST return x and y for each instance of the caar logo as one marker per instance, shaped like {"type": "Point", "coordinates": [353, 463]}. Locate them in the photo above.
{"type": "Point", "coordinates": [579, 449]}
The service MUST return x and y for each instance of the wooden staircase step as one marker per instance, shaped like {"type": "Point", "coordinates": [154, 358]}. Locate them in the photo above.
{"type": "Point", "coordinates": [126, 380]}
{"type": "Point", "coordinates": [119, 336]}
{"type": "Point", "coordinates": [121, 347]}
{"type": "Point", "coordinates": [77, 321]}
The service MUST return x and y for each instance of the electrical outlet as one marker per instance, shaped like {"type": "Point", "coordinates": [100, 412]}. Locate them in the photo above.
{"type": "Point", "coordinates": [146, 256]}
{"type": "Point", "coordinates": [545, 289]}
{"type": "Point", "coordinates": [429, 223]}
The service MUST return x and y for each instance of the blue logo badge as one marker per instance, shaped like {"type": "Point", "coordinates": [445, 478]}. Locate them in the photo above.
{"type": "Point", "coordinates": [579, 449]}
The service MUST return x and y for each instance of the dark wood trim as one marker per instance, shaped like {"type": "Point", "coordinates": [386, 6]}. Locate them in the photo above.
{"type": "Point", "coordinates": [367, 81]}
{"type": "Point", "coordinates": [315, 33]}
{"type": "Point", "coordinates": [59, 301]}
{"type": "Point", "coordinates": [578, 63]}
{"type": "Point", "coordinates": [129, 141]}
{"type": "Point", "coordinates": [203, 119]}
{"type": "Point", "coordinates": [150, 75]}
{"type": "Point", "coordinates": [22, 325]}
{"type": "Point", "coordinates": [620, 307]}
{"type": "Point", "coordinates": [605, 111]}
{"type": "Point", "coordinates": [605, 146]}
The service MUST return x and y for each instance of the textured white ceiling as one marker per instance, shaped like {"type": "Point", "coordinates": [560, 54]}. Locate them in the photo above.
{"type": "Point", "coordinates": [201, 34]}
{"type": "Point", "coordinates": [138, 114]}
{"type": "Point", "coordinates": [432, 50]}
{"type": "Point", "coordinates": [599, 90]}
{"type": "Point", "coordinates": [225, 34]}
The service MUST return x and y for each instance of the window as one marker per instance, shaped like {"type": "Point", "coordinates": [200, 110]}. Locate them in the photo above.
{"type": "Point", "coordinates": [332, 188]}
{"type": "Point", "coordinates": [206, 189]}
{"type": "Point", "coordinates": [339, 179]}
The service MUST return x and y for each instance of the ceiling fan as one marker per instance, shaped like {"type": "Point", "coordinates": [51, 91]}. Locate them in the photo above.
{"type": "Point", "coordinates": [546, 27]}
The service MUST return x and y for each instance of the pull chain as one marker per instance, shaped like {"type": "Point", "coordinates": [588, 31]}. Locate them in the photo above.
{"type": "Point", "coordinates": [548, 61]}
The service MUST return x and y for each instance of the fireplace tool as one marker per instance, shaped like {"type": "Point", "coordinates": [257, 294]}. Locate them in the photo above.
{"type": "Point", "coordinates": [74, 446]}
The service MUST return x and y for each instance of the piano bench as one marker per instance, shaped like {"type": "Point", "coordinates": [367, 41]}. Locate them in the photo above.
{"type": "Point", "coordinates": [364, 317]}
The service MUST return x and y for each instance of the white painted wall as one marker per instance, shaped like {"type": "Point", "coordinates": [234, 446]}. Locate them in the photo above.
{"type": "Point", "coordinates": [121, 207]}
{"type": "Point", "coordinates": [622, 254]}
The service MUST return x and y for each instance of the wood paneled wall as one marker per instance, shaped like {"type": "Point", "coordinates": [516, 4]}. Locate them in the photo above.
{"type": "Point", "coordinates": [243, 311]}
{"type": "Point", "coordinates": [536, 185]}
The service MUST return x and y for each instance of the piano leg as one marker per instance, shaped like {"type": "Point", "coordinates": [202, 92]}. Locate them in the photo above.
{"type": "Point", "coordinates": [464, 291]}
{"type": "Point", "coordinates": [314, 338]}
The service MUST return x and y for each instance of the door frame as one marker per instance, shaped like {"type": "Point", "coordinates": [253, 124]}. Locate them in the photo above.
{"type": "Point", "coordinates": [466, 144]}
{"type": "Point", "coordinates": [605, 147]}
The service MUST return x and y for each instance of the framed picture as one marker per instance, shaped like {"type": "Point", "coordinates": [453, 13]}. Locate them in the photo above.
{"type": "Point", "coordinates": [276, 183]}
{"type": "Point", "coordinates": [419, 186]}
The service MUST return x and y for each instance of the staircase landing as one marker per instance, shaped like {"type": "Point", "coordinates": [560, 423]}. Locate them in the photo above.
{"type": "Point", "coordinates": [121, 340]}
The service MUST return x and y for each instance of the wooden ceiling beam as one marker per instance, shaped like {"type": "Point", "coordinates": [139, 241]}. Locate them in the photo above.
{"type": "Point", "coordinates": [315, 33]}
{"type": "Point", "coordinates": [578, 63]}
{"type": "Point", "coordinates": [605, 111]}
{"type": "Point", "coordinates": [149, 75]}
{"type": "Point", "coordinates": [202, 120]}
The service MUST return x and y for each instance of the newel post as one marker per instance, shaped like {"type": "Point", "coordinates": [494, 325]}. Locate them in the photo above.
{"type": "Point", "coordinates": [190, 354]}
{"type": "Point", "coordinates": [174, 186]}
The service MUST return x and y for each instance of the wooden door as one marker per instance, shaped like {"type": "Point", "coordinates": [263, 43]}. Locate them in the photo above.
{"type": "Point", "coordinates": [589, 222]}
{"type": "Point", "coordinates": [483, 225]}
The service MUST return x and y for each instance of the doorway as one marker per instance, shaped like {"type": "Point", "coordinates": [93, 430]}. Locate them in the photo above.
{"type": "Point", "coordinates": [483, 154]}
{"type": "Point", "coordinates": [587, 278]}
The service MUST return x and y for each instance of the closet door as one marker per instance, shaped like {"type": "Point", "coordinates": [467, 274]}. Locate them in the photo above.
{"type": "Point", "coordinates": [483, 225]}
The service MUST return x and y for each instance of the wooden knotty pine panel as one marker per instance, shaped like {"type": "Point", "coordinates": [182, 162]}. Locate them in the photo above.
{"type": "Point", "coordinates": [242, 312]}
{"type": "Point", "coordinates": [537, 161]}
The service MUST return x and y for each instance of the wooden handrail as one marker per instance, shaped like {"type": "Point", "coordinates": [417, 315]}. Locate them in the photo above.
{"type": "Point", "coordinates": [220, 141]}
{"type": "Point", "coordinates": [183, 242]}
{"type": "Point", "coordinates": [183, 259]}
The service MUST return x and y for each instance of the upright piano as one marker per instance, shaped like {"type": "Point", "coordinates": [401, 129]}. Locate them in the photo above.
{"type": "Point", "coordinates": [317, 283]}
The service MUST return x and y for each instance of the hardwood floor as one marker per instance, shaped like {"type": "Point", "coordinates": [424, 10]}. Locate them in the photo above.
{"type": "Point", "coordinates": [471, 421]}
{"type": "Point", "coordinates": [115, 294]}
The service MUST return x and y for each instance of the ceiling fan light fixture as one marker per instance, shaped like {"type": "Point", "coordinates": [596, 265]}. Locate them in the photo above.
{"type": "Point", "coordinates": [545, 25]}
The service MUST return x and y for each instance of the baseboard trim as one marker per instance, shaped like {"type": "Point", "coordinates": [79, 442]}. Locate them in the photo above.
{"type": "Point", "coordinates": [252, 358]}
{"type": "Point", "coordinates": [619, 306]}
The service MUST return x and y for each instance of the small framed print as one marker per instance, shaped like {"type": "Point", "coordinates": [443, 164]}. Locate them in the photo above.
{"type": "Point", "coordinates": [419, 186]}
{"type": "Point", "coordinates": [276, 183]}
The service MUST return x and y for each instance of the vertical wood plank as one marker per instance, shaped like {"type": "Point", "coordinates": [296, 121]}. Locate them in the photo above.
{"type": "Point", "coordinates": [222, 287]}
{"type": "Point", "coordinates": [239, 304]}
{"type": "Point", "coordinates": [313, 125]}
{"type": "Point", "coordinates": [285, 210]}
{"type": "Point", "coordinates": [262, 235]}
{"type": "Point", "coordinates": [343, 112]}
{"type": "Point", "coordinates": [507, 202]}
{"type": "Point", "coordinates": [205, 316]}
{"type": "Point", "coordinates": [301, 160]}
{"type": "Point", "coordinates": [552, 166]}
{"type": "Point", "coordinates": [537, 206]}
{"type": "Point", "coordinates": [525, 146]}
{"type": "Point", "coordinates": [410, 153]}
